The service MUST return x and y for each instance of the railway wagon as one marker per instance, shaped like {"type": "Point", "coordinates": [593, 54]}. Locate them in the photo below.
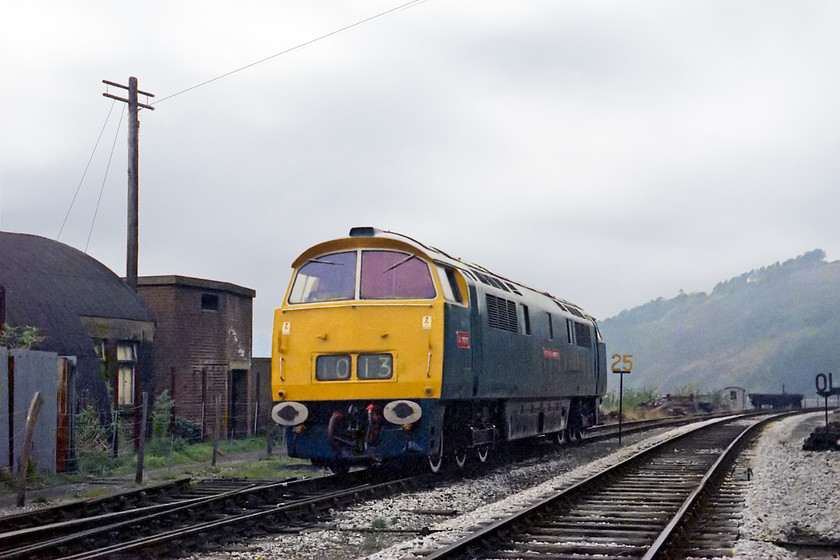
{"type": "Point", "coordinates": [384, 347]}
{"type": "Point", "coordinates": [776, 400]}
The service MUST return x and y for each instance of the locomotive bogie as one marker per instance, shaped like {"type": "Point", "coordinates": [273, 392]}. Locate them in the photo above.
{"type": "Point", "coordinates": [535, 418]}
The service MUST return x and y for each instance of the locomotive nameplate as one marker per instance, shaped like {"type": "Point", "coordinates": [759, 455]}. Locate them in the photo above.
{"type": "Point", "coordinates": [551, 354]}
{"type": "Point", "coordinates": [463, 339]}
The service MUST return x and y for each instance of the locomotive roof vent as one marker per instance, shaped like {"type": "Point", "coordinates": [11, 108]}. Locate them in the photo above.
{"type": "Point", "coordinates": [364, 232]}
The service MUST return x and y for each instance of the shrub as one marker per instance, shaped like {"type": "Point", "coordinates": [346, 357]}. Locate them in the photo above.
{"type": "Point", "coordinates": [22, 338]}
{"type": "Point", "coordinates": [187, 430]}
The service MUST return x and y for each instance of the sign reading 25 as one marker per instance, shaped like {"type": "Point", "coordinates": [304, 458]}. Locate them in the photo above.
{"type": "Point", "coordinates": [622, 363]}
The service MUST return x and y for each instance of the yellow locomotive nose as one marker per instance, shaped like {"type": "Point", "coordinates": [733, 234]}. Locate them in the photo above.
{"type": "Point", "coordinates": [289, 413]}
{"type": "Point", "coordinates": [402, 412]}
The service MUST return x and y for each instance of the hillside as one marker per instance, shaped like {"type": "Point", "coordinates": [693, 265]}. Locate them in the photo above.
{"type": "Point", "coordinates": [768, 329]}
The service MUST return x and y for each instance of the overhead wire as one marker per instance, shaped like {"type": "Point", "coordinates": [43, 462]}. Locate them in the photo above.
{"type": "Point", "coordinates": [404, 6]}
{"type": "Point", "coordinates": [105, 178]}
{"type": "Point", "coordinates": [292, 49]}
{"type": "Point", "coordinates": [82, 180]}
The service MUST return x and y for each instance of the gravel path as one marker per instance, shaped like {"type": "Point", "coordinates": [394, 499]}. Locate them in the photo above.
{"type": "Point", "coordinates": [794, 497]}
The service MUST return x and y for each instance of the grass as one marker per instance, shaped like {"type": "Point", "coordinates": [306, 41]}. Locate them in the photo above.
{"type": "Point", "coordinates": [166, 460]}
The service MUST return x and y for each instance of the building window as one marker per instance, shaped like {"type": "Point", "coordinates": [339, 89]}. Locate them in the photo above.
{"type": "Point", "coordinates": [126, 360]}
{"type": "Point", "coordinates": [126, 368]}
{"type": "Point", "coordinates": [210, 302]}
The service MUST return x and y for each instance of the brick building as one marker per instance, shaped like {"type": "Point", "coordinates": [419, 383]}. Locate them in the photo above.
{"type": "Point", "coordinates": [202, 350]}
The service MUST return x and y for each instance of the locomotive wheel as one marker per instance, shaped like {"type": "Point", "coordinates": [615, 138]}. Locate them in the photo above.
{"type": "Point", "coordinates": [561, 437]}
{"type": "Point", "coordinates": [435, 461]}
{"type": "Point", "coordinates": [461, 458]}
{"type": "Point", "coordinates": [482, 453]}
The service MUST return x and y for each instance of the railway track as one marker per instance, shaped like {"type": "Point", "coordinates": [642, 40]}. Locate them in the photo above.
{"type": "Point", "coordinates": [185, 516]}
{"type": "Point", "coordinates": [649, 506]}
{"type": "Point", "coordinates": [188, 517]}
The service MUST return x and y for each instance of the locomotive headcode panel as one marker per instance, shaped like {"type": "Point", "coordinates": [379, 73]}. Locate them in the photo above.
{"type": "Point", "coordinates": [385, 347]}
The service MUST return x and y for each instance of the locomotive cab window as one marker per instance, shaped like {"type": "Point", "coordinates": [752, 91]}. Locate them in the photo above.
{"type": "Point", "coordinates": [393, 275]}
{"type": "Point", "coordinates": [382, 275]}
{"type": "Point", "coordinates": [325, 278]}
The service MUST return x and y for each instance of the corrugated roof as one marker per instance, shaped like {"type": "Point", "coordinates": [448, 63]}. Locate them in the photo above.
{"type": "Point", "coordinates": [49, 285]}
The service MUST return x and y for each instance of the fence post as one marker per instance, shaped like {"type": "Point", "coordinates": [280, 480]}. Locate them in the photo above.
{"type": "Point", "coordinates": [218, 427]}
{"type": "Point", "coordinates": [23, 462]}
{"type": "Point", "coordinates": [138, 478]}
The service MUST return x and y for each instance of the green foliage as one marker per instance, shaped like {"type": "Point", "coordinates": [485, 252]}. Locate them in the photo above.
{"type": "Point", "coordinates": [20, 338]}
{"type": "Point", "coordinates": [9, 479]}
{"type": "Point", "coordinates": [187, 430]}
{"type": "Point", "coordinates": [95, 440]}
{"type": "Point", "coordinates": [632, 398]}
{"type": "Point", "coordinates": [716, 397]}
{"type": "Point", "coordinates": [91, 435]}
{"type": "Point", "coordinates": [688, 390]}
{"type": "Point", "coordinates": [161, 414]}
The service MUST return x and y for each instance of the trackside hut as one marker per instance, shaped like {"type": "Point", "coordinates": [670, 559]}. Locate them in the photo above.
{"type": "Point", "coordinates": [202, 351]}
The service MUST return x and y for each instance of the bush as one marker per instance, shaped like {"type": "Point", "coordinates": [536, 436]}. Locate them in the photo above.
{"type": "Point", "coordinates": [187, 430]}
{"type": "Point", "coordinates": [94, 441]}
{"type": "Point", "coordinates": [161, 414]}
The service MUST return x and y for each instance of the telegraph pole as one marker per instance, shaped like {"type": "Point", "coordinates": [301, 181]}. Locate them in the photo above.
{"type": "Point", "coordinates": [133, 173]}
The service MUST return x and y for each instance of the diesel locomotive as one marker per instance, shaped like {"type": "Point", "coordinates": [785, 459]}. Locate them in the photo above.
{"type": "Point", "coordinates": [384, 347]}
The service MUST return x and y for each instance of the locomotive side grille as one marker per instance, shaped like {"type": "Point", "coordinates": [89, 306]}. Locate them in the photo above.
{"type": "Point", "coordinates": [502, 313]}
{"type": "Point", "coordinates": [583, 337]}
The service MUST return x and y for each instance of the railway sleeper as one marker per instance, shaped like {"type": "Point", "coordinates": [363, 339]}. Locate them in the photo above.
{"type": "Point", "coordinates": [643, 532]}
{"type": "Point", "coordinates": [593, 524]}
{"type": "Point", "coordinates": [591, 548]}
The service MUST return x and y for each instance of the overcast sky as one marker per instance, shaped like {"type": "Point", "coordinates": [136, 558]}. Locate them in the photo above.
{"type": "Point", "coordinates": [609, 152]}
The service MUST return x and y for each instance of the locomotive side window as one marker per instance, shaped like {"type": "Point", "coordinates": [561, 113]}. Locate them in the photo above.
{"type": "Point", "coordinates": [332, 367]}
{"type": "Point", "coordinates": [392, 275]}
{"type": "Point", "coordinates": [449, 284]}
{"type": "Point", "coordinates": [550, 327]}
{"type": "Point", "coordinates": [326, 278]}
{"type": "Point", "coordinates": [526, 315]}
